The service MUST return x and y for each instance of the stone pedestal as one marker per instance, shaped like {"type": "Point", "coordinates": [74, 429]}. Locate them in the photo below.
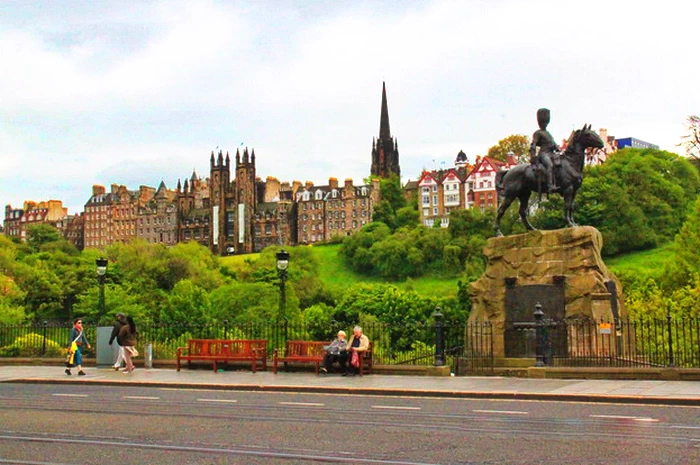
{"type": "Point", "coordinates": [565, 257]}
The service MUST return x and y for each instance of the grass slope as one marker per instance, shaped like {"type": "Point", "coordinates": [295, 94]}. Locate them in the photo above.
{"type": "Point", "coordinates": [335, 274]}
{"type": "Point", "coordinates": [649, 262]}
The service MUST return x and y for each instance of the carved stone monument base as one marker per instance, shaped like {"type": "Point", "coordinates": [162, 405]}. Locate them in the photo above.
{"type": "Point", "coordinates": [562, 269]}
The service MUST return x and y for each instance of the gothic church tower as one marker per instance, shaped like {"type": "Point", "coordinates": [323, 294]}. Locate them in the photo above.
{"type": "Point", "coordinates": [385, 149]}
{"type": "Point", "coordinates": [219, 186]}
{"type": "Point", "coordinates": [245, 200]}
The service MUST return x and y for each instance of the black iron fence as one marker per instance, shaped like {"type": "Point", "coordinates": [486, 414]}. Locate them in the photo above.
{"type": "Point", "coordinates": [468, 348]}
{"type": "Point", "coordinates": [620, 343]}
{"type": "Point", "coordinates": [431, 343]}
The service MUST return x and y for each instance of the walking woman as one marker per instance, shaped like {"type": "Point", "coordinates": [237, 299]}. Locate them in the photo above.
{"type": "Point", "coordinates": [127, 334]}
{"type": "Point", "coordinates": [77, 339]}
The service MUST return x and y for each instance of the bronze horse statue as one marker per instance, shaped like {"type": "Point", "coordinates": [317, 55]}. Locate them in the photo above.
{"type": "Point", "coordinates": [522, 180]}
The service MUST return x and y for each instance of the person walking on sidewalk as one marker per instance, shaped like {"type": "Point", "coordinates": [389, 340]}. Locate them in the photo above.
{"type": "Point", "coordinates": [77, 341]}
{"type": "Point", "coordinates": [128, 337]}
{"type": "Point", "coordinates": [357, 346]}
{"type": "Point", "coordinates": [121, 321]}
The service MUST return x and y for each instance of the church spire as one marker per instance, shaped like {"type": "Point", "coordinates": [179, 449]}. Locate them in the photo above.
{"type": "Point", "coordinates": [384, 131]}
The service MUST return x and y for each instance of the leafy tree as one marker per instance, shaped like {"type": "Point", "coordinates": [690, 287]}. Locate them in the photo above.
{"type": "Point", "coordinates": [252, 302]}
{"type": "Point", "coordinates": [391, 200]}
{"type": "Point", "coordinates": [638, 198]}
{"type": "Point", "coordinates": [516, 143]}
{"type": "Point", "coordinates": [407, 217]}
{"type": "Point", "coordinates": [40, 234]}
{"type": "Point", "coordinates": [187, 303]}
{"type": "Point", "coordinates": [685, 269]}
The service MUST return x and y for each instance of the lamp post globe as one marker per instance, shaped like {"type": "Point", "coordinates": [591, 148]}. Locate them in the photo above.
{"type": "Point", "coordinates": [282, 260]}
{"type": "Point", "coordinates": [282, 265]}
{"type": "Point", "coordinates": [101, 266]}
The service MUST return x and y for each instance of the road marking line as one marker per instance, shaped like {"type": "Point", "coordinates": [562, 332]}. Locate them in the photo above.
{"type": "Point", "coordinates": [624, 417]}
{"type": "Point", "coordinates": [71, 395]}
{"type": "Point", "coordinates": [231, 401]}
{"type": "Point", "coordinates": [141, 397]}
{"type": "Point", "coordinates": [395, 407]}
{"type": "Point", "coordinates": [685, 427]}
{"type": "Point", "coordinates": [185, 389]}
{"type": "Point", "coordinates": [505, 412]}
{"type": "Point", "coordinates": [303, 404]}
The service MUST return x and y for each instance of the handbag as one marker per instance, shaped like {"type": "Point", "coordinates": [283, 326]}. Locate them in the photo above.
{"type": "Point", "coordinates": [71, 352]}
{"type": "Point", "coordinates": [355, 359]}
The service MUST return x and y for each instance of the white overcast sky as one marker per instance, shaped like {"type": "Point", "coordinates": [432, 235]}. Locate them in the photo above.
{"type": "Point", "coordinates": [133, 93]}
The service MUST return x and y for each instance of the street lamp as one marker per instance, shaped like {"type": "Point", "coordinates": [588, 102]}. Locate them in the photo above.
{"type": "Point", "coordinates": [439, 339]}
{"type": "Point", "coordinates": [101, 272]}
{"type": "Point", "coordinates": [282, 264]}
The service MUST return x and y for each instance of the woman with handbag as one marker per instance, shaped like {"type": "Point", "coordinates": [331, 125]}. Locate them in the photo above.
{"type": "Point", "coordinates": [357, 346]}
{"type": "Point", "coordinates": [78, 339]}
{"type": "Point", "coordinates": [127, 334]}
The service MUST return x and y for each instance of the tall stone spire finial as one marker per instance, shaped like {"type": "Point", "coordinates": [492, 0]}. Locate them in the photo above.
{"type": "Point", "coordinates": [384, 131]}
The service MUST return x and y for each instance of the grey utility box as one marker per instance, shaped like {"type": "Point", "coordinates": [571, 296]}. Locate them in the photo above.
{"type": "Point", "coordinates": [105, 354]}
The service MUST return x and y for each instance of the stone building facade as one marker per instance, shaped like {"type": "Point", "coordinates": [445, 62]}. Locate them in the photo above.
{"type": "Point", "coordinates": [156, 219]}
{"type": "Point", "coordinates": [18, 220]}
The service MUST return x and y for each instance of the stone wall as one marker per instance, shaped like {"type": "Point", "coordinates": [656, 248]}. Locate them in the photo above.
{"type": "Point", "coordinates": [542, 257]}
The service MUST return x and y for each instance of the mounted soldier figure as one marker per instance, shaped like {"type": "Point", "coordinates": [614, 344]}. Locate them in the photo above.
{"type": "Point", "coordinates": [522, 180]}
{"type": "Point", "coordinates": [548, 154]}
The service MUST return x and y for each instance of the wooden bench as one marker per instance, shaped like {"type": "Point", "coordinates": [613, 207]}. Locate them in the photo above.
{"type": "Point", "coordinates": [224, 350]}
{"type": "Point", "coordinates": [301, 352]}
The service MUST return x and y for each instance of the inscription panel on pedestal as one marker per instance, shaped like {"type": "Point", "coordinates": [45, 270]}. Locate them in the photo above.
{"type": "Point", "coordinates": [520, 340]}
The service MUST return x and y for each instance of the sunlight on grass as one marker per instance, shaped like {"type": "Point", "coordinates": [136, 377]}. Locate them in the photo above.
{"type": "Point", "coordinates": [650, 262]}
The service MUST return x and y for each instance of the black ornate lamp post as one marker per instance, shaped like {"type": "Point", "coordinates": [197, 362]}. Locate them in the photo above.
{"type": "Point", "coordinates": [539, 336]}
{"type": "Point", "coordinates": [439, 339]}
{"type": "Point", "coordinates": [669, 319]}
{"type": "Point", "coordinates": [101, 272]}
{"type": "Point", "coordinates": [282, 264]}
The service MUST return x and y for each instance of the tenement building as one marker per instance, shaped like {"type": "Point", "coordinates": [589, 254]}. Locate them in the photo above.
{"type": "Point", "coordinates": [464, 186]}
{"type": "Point", "coordinates": [156, 219]}
{"type": "Point", "coordinates": [18, 220]}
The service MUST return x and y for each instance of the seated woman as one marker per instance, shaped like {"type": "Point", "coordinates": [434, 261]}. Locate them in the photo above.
{"type": "Point", "coordinates": [335, 353]}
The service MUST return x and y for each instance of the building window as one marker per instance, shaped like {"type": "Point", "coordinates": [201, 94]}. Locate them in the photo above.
{"type": "Point", "coordinates": [426, 200]}
{"type": "Point", "coordinates": [435, 199]}
{"type": "Point", "coordinates": [435, 210]}
{"type": "Point", "coordinates": [426, 211]}
{"type": "Point", "coordinates": [435, 188]}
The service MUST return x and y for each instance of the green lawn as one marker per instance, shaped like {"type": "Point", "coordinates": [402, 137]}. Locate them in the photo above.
{"type": "Point", "coordinates": [649, 262]}
{"type": "Point", "coordinates": [237, 262]}
{"type": "Point", "coordinates": [335, 274]}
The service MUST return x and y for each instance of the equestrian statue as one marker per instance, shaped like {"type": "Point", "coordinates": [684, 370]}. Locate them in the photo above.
{"type": "Point", "coordinates": [549, 171]}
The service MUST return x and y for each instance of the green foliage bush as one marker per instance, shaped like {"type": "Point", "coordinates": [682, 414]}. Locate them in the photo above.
{"type": "Point", "coordinates": [32, 345]}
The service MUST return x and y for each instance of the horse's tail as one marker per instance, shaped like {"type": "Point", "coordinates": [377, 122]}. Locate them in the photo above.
{"type": "Point", "coordinates": [499, 180]}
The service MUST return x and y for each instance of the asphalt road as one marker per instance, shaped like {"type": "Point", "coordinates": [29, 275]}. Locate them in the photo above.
{"type": "Point", "coordinates": [55, 424]}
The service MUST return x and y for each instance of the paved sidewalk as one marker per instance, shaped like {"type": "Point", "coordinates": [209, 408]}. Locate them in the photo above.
{"type": "Point", "coordinates": [621, 391]}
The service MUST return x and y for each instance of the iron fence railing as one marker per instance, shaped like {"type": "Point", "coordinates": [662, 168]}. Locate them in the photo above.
{"type": "Point", "coordinates": [467, 347]}
{"type": "Point", "coordinates": [412, 343]}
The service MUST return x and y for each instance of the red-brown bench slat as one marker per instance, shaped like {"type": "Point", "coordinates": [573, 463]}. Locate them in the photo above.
{"type": "Point", "coordinates": [301, 352]}
{"type": "Point", "coordinates": [224, 350]}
